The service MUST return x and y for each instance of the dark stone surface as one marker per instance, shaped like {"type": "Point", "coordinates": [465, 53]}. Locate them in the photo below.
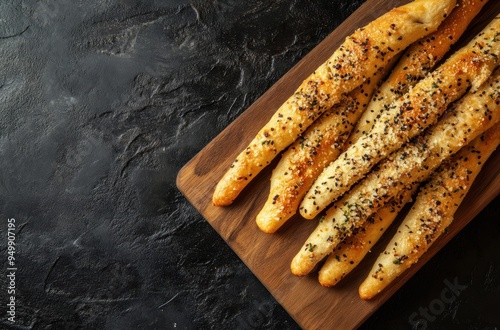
{"type": "Point", "coordinates": [101, 103]}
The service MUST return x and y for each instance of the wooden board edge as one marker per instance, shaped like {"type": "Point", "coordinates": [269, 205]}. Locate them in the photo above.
{"type": "Point", "coordinates": [401, 281]}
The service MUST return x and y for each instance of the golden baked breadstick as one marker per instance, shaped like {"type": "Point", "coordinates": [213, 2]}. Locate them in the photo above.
{"type": "Point", "coordinates": [468, 118]}
{"type": "Point", "coordinates": [407, 117]}
{"type": "Point", "coordinates": [357, 59]}
{"type": "Point", "coordinates": [349, 253]}
{"type": "Point", "coordinates": [431, 214]}
{"type": "Point", "coordinates": [419, 59]}
{"type": "Point", "coordinates": [304, 160]}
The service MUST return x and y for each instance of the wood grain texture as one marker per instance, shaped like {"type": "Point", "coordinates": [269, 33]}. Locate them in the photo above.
{"type": "Point", "coordinates": [269, 256]}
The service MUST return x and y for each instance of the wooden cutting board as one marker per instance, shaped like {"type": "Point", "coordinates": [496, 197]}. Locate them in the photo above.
{"type": "Point", "coordinates": [269, 256]}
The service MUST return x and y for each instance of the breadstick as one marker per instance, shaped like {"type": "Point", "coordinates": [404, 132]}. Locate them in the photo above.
{"type": "Point", "coordinates": [357, 59]}
{"type": "Point", "coordinates": [417, 62]}
{"type": "Point", "coordinates": [431, 214]}
{"type": "Point", "coordinates": [468, 118]}
{"type": "Point", "coordinates": [419, 59]}
{"type": "Point", "coordinates": [304, 160]}
{"type": "Point", "coordinates": [407, 117]}
{"type": "Point", "coordinates": [350, 252]}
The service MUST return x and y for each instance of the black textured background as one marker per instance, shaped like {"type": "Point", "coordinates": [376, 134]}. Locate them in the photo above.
{"type": "Point", "coordinates": [101, 103]}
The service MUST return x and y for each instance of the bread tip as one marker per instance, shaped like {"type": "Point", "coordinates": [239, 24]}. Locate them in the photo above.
{"type": "Point", "coordinates": [218, 201]}
{"type": "Point", "coordinates": [296, 267]}
{"type": "Point", "coordinates": [365, 293]}
{"type": "Point", "coordinates": [265, 225]}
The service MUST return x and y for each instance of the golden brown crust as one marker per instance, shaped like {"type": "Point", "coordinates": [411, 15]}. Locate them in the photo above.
{"type": "Point", "coordinates": [302, 162]}
{"type": "Point", "coordinates": [419, 59]}
{"type": "Point", "coordinates": [350, 252]}
{"type": "Point", "coordinates": [431, 214]}
{"type": "Point", "coordinates": [468, 118]}
{"type": "Point", "coordinates": [358, 58]}
{"type": "Point", "coordinates": [407, 117]}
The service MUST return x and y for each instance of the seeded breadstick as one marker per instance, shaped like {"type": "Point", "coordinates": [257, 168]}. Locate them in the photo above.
{"type": "Point", "coordinates": [357, 59]}
{"type": "Point", "coordinates": [350, 252]}
{"type": "Point", "coordinates": [407, 117]}
{"type": "Point", "coordinates": [304, 160]}
{"type": "Point", "coordinates": [469, 117]}
{"type": "Point", "coordinates": [417, 62]}
{"type": "Point", "coordinates": [431, 214]}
